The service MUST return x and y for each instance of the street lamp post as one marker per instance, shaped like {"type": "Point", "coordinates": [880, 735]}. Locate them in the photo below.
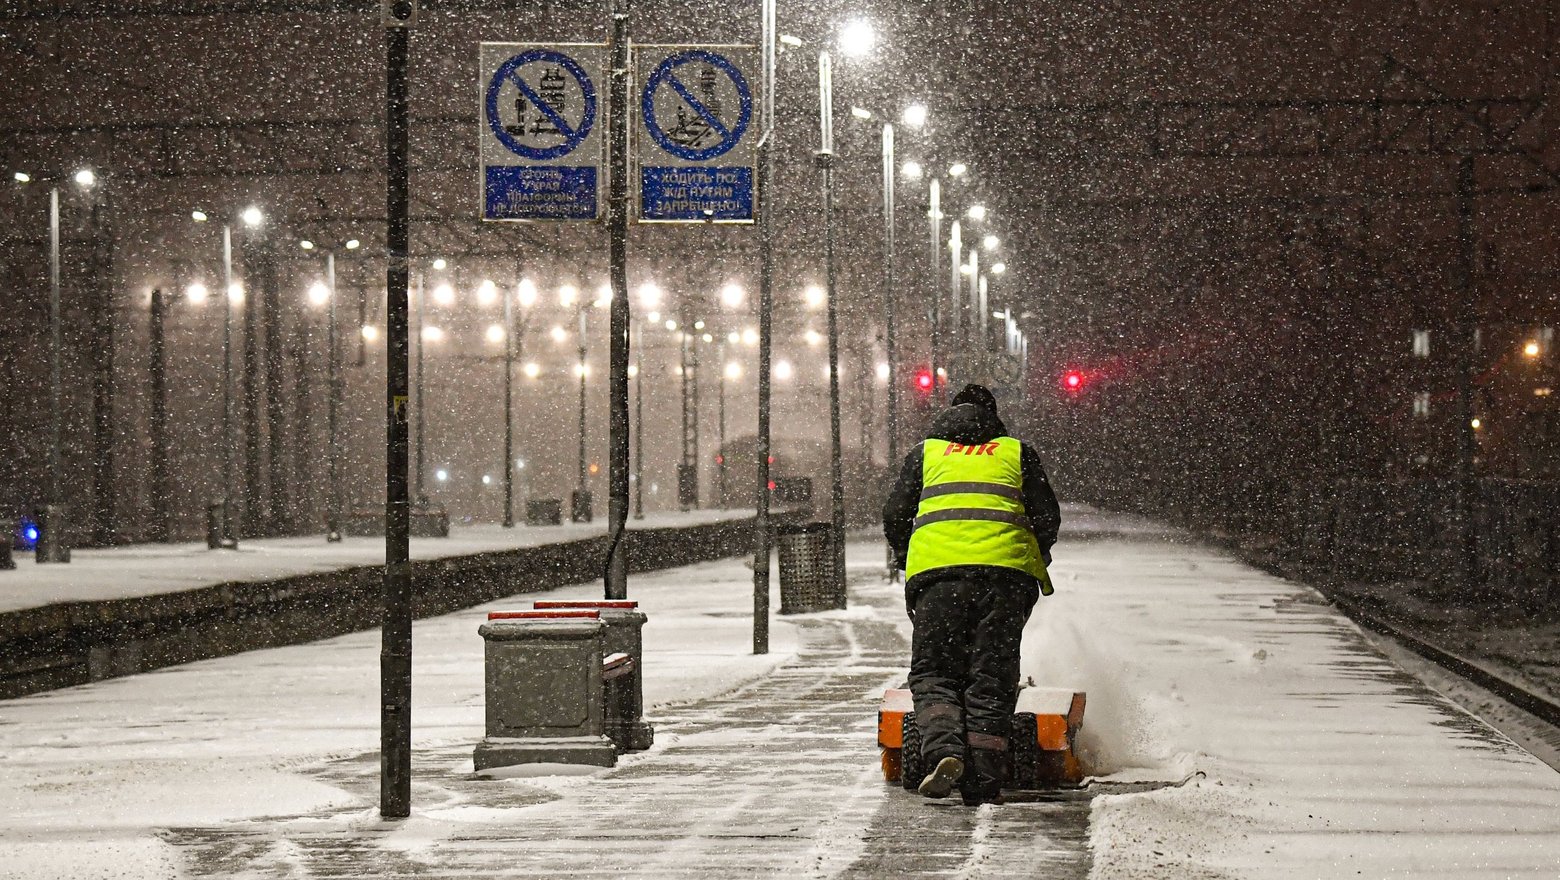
{"type": "Point", "coordinates": [509, 414]}
{"type": "Point", "coordinates": [934, 220]}
{"type": "Point", "coordinates": [766, 271]}
{"type": "Point", "coordinates": [226, 536]}
{"type": "Point", "coordinates": [582, 500]}
{"type": "Point", "coordinates": [890, 292]}
{"type": "Point", "coordinates": [53, 544]}
{"type": "Point", "coordinates": [825, 159]}
{"type": "Point", "coordinates": [639, 421]}
{"type": "Point", "coordinates": [333, 503]}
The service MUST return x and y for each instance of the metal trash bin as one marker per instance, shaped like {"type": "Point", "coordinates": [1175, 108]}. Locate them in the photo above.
{"type": "Point", "coordinates": [544, 512]}
{"type": "Point", "coordinates": [544, 694]}
{"type": "Point", "coordinates": [580, 510]}
{"type": "Point", "coordinates": [7, 542]}
{"type": "Point", "coordinates": [809, 580]}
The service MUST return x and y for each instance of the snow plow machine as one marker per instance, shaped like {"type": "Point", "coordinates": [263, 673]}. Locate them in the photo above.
{"type": "Point", "coordinates": [1040, 746]}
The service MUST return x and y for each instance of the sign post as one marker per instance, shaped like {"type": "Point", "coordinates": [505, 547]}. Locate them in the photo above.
{"type": "Point", "coordinates": [541, 140]}
{"type": "Point", "coordinates": [697, 145]}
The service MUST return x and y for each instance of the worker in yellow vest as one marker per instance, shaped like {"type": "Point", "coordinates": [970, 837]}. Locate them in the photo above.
{"type": "Point", "coordinates": [971, 521]}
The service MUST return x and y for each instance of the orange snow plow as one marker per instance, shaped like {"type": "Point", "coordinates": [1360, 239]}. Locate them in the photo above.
{"type": "Point", "coordinates": [1040, 746]}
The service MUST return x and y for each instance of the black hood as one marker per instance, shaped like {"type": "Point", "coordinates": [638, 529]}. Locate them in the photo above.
{"type": "Point", "coordinates": [967, 424]}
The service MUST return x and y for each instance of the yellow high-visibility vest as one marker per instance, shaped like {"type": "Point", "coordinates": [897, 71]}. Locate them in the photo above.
{"type": "Point", "coordinates": [972, 510]}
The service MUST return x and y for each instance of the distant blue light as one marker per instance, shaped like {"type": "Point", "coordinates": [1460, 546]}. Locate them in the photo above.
{"type": "Point", "coordinates": [31, 534]}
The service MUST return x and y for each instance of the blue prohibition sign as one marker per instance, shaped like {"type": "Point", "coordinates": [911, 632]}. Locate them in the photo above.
{"type": "Point", "coordinates": [509, 71]}
{"type": "Point", "coordinates": [666, 74]}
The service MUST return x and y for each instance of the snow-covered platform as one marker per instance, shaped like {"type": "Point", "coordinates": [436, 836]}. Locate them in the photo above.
{"type": "Point", "coordinates": [124, 610]}
{"type": "Point", "coordinates": [1238, 727]}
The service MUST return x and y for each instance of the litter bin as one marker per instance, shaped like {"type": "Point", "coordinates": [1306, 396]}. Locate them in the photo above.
{"type": "Point", "coordinates": [580, 512]}
{"type": "Point", "coordinates": [217, 526]}
{"type": "Point", "coordinates": [808, 579]}
{"type": "Point", "coordinates": [7, 539]}
{"type": "Point", "coordinates": [544, 512]}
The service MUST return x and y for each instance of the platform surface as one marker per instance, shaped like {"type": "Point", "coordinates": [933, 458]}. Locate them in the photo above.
{"type": "Point", "coordinates": [1243, 728]}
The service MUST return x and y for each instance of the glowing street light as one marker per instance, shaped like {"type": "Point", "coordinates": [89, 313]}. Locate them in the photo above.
{"type": "Point", "coordinates": [813, 296]}
{"type": "Point", "coordinates": [525, 293]}
{"type": "Point", "coordinates": [370, 333]}
{"type": "Point", "coordinates": [252, 216]}
{"type": "Point", "coordinates": [911, 170]}
{"type": "Point", "coordinates": [567, 295]}
{"type": "Point", "coordinates": [532, 370]}
{"type": "Point", "coordinates": [1531, 349]}
{"type": "Point", "coordinates": [857, 38]}
{"type": "Point", "coordinates": [860, 112]}
{"type": "Point", "coordinates": [495, 333]}
{"type": "Point", "coordinates": [444, 294]}
{"type": "Point", "coordinates": [958, 169]}
{"type": "Point", "coordinates": [649, 295]}
{"type": "Point", "coordinates": [990, 242]}
{"type": "Point", "coordinates": [236, 293]}
{"type": "Point", "coordinates": [731, 296]}
{"type": "Point", "coordinates": [914, 115]}
{"type": "Point", "coordinates": [783, 371]}
{"type": "Point", "coordinates": [199, 216]}
{"type": "Point", "coordinates": [977, 212]}
{"type": "Point", "coordinates": [998, 268]}
{"type": "Point", "coordinates": [85, 177]}
{"type": "Point", "coordinates": [319, 294]}
{"type": "Point", "coordinates": [487, 292]}
{"type": "Point", "coordinates": [196, 293]}
{"type": "Point", "coordinates": [440, 264]}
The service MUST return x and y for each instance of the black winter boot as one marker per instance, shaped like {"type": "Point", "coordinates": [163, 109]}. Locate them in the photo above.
{"type": "Point", "coordinates": [983, 777]}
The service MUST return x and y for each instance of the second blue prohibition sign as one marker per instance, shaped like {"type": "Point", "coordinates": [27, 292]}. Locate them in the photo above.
{"type": "Point", "coordinates": [509, 70]}
{"type": "Point", "coordinates": [665, 73]}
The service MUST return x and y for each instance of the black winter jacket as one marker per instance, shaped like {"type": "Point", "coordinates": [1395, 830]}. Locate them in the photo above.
{"type": "Point", "coordinates": [969, 424]}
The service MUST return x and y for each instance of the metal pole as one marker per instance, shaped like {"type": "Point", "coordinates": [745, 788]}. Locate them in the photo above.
{"type": "Point", "coordinates": [420, 496]}
{"type": "Point", "coordinates": [1467, 340]}
{"type": "Point", "coordinates": [333, 406]}
{"type": "Point", "coordinates": [580, 369]}
{"type": "Point", "coordinates": [934, 218]}
{"type": "Point", "coordinates": [955, 294]}
{"type": "Point", "coordinates": [395, 657]}
{"type": "Point", "coordinates": [616, 581]}
{"type": "Point", "coordinates": [720, 449]}
{"type": "Point", "coordinates": [890, 292]}
{"type": "Point", "coordinates": [766, 272]}
{"type": "Point", "coordinates": [509, 411]}
{"type": "Point", "coordinates": [639, 421]}
{"type": "Point", "coordinates": [688, 458]}
{"type": "Point", "coordinates": [56, 414]}
{"type": "Point", "coordinates": [826, 164]}
{"type": "Point", "coordinates": [229, 534]}
{"type": "Point", "coordinates": [158, 427]}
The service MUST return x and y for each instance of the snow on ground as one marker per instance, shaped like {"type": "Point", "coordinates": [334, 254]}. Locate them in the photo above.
{"type": "Point", "coordinates": [1292, 748]}
{"type": "Point", "coordinates": [97, 574]}
{"type": "Point", "coordinates": [88, 774]}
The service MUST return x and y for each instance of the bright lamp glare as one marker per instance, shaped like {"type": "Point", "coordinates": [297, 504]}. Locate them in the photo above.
{"type": "Point", "coordinates": [198, 215]}
{"type": "Point", "coordinates": [444, 295]}
{"type": "Point", "coordinates": [558, 334]}
{"type": "Point", "coordinates": [861, 112]}
{"type": "Point", "coordinates": [196, 293]}
{"type": "Point", "coordinates": [85, 177]}
{"type": "Point", "coordinates": [432, 334]}
{"type": "Point", "coordinates": [370, 333]}
{"type": "Point", "coordinates": [525, 292]}
{"type": "Point", "coordinates": [990, 242]}
{"type": "Point", "coordinates": [252, 216]}
{"type": "Point", "coordinates": [882, 371]}
{"type": "Point", "coordinates": [749, 336]}
{"type": "Point", "coordinates": [958, 169]}
{"type": "Point", "coordinates": [914, 115]}
{"type": "Point", "coordinates": [440, 264]}
{"type": "Point", "coordinates": [783, 370]}
{"type": "Point", "coordinates": [532, 370]}
{"type": "Point", "coordinates": [319, 294]}
{"type": "Point", "coordinates": [236, 292]}
{"type": "Point", "coordinates": [813, 296]}
{"type": "Point", "coordinates": [603, 296]}
{"type": "Point", "coordinates": [495, 333]}
{"type": "Point", "coordinates": [857, 38]}
{"type": "Point", "coordinates": [998, 268]}
{"type": "Point", "coordinates": [305, 244]}
{"type": "Point", "coordinates": [487, 292]}
{"type": "Point", "coordinates": [733, 370]}
{"type": "Point", "coordinates": [649, 295]}
{"type": "Point", "coordinates": [567, 294]}
{"type": "Point", "coordinates": [732, 296]}
{"type": "Point", "coordinates": [977, 212]}
{"type": "Point", "coordinates": [353, 244]}
{"type": "Point", "coordinates": [911, 169]}
{"type": "Point", "coordinates": [22, 177]}
{"type": "Point", "coordinates": [812, 337]}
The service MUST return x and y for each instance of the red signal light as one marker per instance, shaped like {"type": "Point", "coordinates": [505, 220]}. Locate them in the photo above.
{"type": "Point", "coordinates": [923, 380]}
{"type": "Point", "coordinates": [1072, 380]}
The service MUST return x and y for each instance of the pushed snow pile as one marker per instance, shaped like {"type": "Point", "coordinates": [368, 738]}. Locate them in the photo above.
{"type": "Point", "coordinates": [1120, 734]}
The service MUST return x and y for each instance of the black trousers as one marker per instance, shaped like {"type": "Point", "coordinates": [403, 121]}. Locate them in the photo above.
{"type": "Point", "coordinates": [964, 664]}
